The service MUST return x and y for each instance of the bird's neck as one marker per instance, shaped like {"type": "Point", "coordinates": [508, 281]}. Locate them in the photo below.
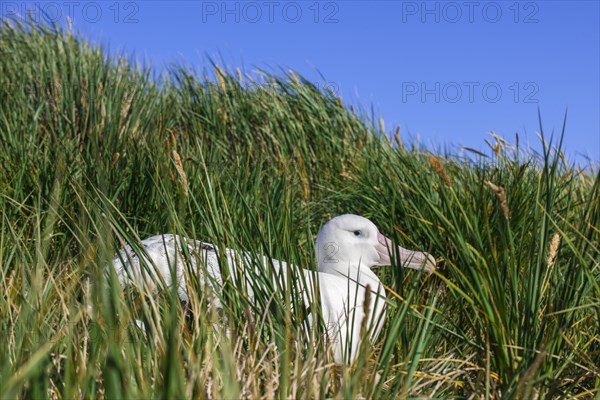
{"type": "Point", "coordinates": [360, 274]}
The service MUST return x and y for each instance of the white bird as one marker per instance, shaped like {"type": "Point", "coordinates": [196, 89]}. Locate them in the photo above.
{"type": "Point", "coordinates": [348, 246]}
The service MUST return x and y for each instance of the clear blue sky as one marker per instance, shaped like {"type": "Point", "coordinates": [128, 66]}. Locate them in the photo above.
{"type": "Point", "coordinates": [445, 72]}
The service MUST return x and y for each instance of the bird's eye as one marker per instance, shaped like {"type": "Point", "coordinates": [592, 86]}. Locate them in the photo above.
{"type": "Point", "coordinates": [356, 233]}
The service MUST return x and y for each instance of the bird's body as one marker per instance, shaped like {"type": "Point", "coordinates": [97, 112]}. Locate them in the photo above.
{"type": "Point", "coordinates": [347, 247]}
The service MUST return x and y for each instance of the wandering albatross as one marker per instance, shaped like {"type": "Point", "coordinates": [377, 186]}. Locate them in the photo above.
{"type": "Point", "coordinates": [348, 246]}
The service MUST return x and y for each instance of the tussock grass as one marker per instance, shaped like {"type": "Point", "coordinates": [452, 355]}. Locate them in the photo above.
{"type": "Point", "coordinates": [95, 154]}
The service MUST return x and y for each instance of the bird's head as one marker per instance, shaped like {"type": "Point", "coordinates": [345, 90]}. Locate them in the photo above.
{"type": "Point", "coordinates": [350, 241]}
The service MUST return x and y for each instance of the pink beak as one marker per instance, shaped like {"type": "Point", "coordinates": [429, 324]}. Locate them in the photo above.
{"type": "Point", "coordinates": [406, 258]}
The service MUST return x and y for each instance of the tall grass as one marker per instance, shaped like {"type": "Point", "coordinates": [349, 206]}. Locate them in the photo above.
{"type": "Point", "coordinates": [95, 154]}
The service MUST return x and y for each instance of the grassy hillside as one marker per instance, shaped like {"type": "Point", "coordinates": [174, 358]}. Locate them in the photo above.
{"type": "Point", "coordinates": [94, 153]}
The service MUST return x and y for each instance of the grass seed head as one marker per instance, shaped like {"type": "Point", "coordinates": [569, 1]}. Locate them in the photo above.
{"type": "Point", "coordinates": [114, 160]}
{"type": "Point", "coordinates": [553, 251]}
{"type": "Point", "coordinates": [499, 190]}
{"type": "Point", "coordinates": [180, 171]}
{"type": "Point", "coordinates": [439, 168]}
